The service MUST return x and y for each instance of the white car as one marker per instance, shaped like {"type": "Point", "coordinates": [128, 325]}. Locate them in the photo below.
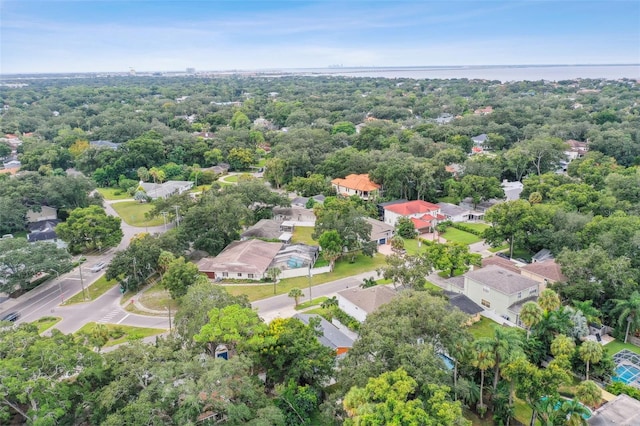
{"type": "Point", "coordinates": [98, 267]}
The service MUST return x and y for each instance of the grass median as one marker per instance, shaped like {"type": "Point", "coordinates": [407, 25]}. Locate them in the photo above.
{"type": "Point", "coordinates": [121, 333]}
{"type": "Point", "coordinates": [92, 291]}
{"type": "Point", "coordinates": [46, 323]}
{"type": "Point", "coordinates": [343, 269]}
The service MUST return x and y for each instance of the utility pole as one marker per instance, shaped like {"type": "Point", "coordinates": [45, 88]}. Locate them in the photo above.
{"type": "Point", "coordinates": [177, 207]}
{"type": "Point", "coordinates": [164, 217]}
{"type": "Point", "coordinates": [309, 282]}
{"type": "Point", "coordinates": [169, 307]}
{"type": "Point", "coordinates": [81, 281]}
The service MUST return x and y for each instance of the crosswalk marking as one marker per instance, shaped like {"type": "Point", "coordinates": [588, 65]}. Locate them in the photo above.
{"type": "Point", "coordinates": [108, 317]}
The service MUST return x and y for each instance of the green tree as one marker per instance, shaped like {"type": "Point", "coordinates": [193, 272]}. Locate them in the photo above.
{"type": "Point", "coordinates": [179, 276]}
{"type": "Point", "coordinates": [483, 360]}
{"type": "Point", "coordinates": [90, 229]}
{"type": "Point", "coordinates": [234, 325]}
{"type": "Point", "coordinates": [241, 158]}
{"type": "Point", "coordinates": [240, 121]}
{"type": "Point", "coordinates": [628, 312]}
{"type": "Point", "coordinates": [479, 188]}
{"type": "Point", "coordinates": [405, 228]}
{"type": "Point", "coordinates": [589, 393]}
{"type": "Point", "coordinates": [273, 273]}
{"type": "Point", "coordinates": [530, 315]}
{"type": "Point", "coordinates": [549, 300]}
{"type": "Point", "coordinates": [200, 299]}
{"type": "Point", "coordinates": [332, 246]}
{"type": "Point", "coordinates": [450, 257]}
{"type": "Point", "coordinates": [12, 216]}
{"type": "Point", "coordinates": [387, 399]}
{"type": "Point", "coordinates": [563, 348]}
{"type": "Point", "coordinates": [275, 170]}
{"type": "Point", "coordinates": [409, 271]}
{"type": "Point", "coordinates": [290, 350]}
{"type": "Point", "coordinates": [545, 153]}
{"type": "Point", "coordinates": [297, 403]}
{"type": "Point", "coordinates": [134, 265]}
{"type": "Point", "coordinates": [309, 186]}
{"type": "Point", "coordinates": [345, 127]}
{"type": "Point", "coordinates": [20, 262]}
{"type": "Point", "coordinates": [295, 294]}
{"type": "Point", "coordinates": [508, 222]}
{"type": "Point", "coordinates": [590, 352]}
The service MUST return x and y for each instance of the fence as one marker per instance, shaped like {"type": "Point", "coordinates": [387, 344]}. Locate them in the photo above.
{"type": "Point", "coordinates": [303, 272]}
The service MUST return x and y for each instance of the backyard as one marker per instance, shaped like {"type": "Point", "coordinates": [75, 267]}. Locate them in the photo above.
{"type": "Point", "coordinates": [113, 194]}
{"type": "Point", "coordinates": [134, 213]}
{"type": "Point", "coordinates": [302, 235]}
{"type": "Point", "coordinates": [617, 345]}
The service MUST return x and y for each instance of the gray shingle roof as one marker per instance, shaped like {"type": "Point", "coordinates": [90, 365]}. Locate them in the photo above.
{"type": "Point", "coordinates": [368, 299]}
{"type": "Point", "coordinates": [331, 337]}
{"type": "Point", "coordinates": [501, 280]}
{"type": "Point", "coordinates": [463, 303]}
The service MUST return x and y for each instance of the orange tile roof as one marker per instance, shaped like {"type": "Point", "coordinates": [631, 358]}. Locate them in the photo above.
{"type": "Point", "coordinates": [356, 182]}
{"type": "Point", "coordinates": [413, 207]}
{"type": "Point", "coordinates": [420, 224]}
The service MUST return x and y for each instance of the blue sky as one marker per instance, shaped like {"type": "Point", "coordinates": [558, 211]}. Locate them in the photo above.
{"type": "Point", "coordinates": [97, 35]}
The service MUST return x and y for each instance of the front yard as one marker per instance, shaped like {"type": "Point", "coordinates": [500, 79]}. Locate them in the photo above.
{"type": "Point", "coordinates": [113, 194]}
{"type": "Point", "coordinates": [457, 236]}
{"type": "Point", "coordinates": [342, 269]}
{"type": "Point", "coordinates": [134, 213]}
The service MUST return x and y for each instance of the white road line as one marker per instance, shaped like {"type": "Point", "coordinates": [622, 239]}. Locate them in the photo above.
{"type": "Point", "coordinates": [125, 317]}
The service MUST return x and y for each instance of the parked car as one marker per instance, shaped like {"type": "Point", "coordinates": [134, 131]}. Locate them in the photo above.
{"type": "Point", "coordinates": [11, 316]}
{"type": "Point", "coordinates": [98, 267]}
{"type": "Point", "coordinates": [503, 255]}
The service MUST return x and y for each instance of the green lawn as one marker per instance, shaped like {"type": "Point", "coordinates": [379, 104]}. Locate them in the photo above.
{"type": "Point", "coordinates": [231, 179]}
{"type": "Point", "coordinates": [129, 332]}
{"type": "Point", "coordinates": [458, 236]}
{"type": "Point", "coordinates": [477, 226]}
{"type": "Point", "coordinates": [113, 193]}
{"type": "Point", "coordinates": [302, 235]}
{"type": "Point", "coordinates": [342, 269]}
{"type": "Point", "coordinates": [618, 345]}
{"type": "Point", "coordinates": [157, 298]}
{"type": "Point", "coordinates": [315, 302]}
{"type": "Point", "coordinates": [95, 290]}
{"type": "Point", "coordinates": [482, 328]}
{"type": "Point", "coordinates": [134, 213]}
{"type": "Point", "coordinates": [46, 323]}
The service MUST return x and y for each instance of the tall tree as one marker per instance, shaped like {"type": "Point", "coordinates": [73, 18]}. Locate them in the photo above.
{"type": "Point", "coordinates": [332, 246]}
{"type": "Point", "coordinates": [508, 223]}
{"type": "Point", "coordinates": [483, 360]}
{"type": "Point", "coordinates": [530, 315]}
{"type": "Point", "coordinates": [90, 229]}
{"type": "Point", "coordinates": [590, 352]}
{"type": "Point", "coordinates": [628, 312]}
{"type": "Point", "coordinates": [179, 276]}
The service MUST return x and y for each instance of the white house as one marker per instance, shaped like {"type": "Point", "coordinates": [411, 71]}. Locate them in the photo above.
{"type": "Point", "coordinates": [359, 302]}
{"type": "Point", "coordinates": [164, 190]}
{"type": "Point", "coordinates": [454, 213]}
{"type": "Point", "coordinates": [353, 184]}
{"type": "Point", "coordinates": [416, 209]}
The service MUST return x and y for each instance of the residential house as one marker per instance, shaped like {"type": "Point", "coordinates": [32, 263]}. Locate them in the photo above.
{"type": "Point", "coordinates": [45, 213]}
{"type": "Point", "coordinates": [501, 262]}
{"type": "Point", "coordinates": [219, 169]}
{"type": "Point", "coordinates": [164, 190]}
{"type": "Point", "coordinates": [44, 230]}
{"type": "Point", "coordinates": [480, 140]}
{"type": "Point", "coordinates": [302, 201]}
{"type": "Point", "coordinates": [294, 214]}
{"type": "Point", "coordinates": [444, 118]}
{"type": "Point", "coordinates": [577, 149]}
{"type": "Point", "coordinates": [353, 184]}
{"type": "Point", "coordinates": [104, 144]}
{"type": "Point", "coordinates": [425, 215]}
{"type": "Point", "coordinates": [512, 190]}
{"type": "Point", "coordinates": [500, 290]}
{"type": "Point", "coordinates": [332, 337]}
{"type": "Point", "coordinates": [542, 255]}
{"type": "Point", "coordinates": [295, 256]}
{"type": "Point", "coordinates": [359, 302]}
{"type": "Point", "coordinates": [381, 232]}
{"type": "Point", "coordinates": [621, 411]}
{"type": "Point", "coordinates": [466, 305]}
{"type": "Point", "coordinates": [545, 272]}
{"type": "Point", "coordinates": [454, 213]}
{"type": "Point", "coordinates": [381, 206]}
{"type": "Point", "coordinates": [247, 259]}
{"type": "Point", "coordinates": [483, 111]}
{"type": "Point", "coordinates": [266, 229]}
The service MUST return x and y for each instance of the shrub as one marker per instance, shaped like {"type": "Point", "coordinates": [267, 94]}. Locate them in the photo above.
{"type": "Point", "coordinates": [466, 228]}
{"type": "Point", "coordinates": [617, 388]}
{"type": "Point", "coordinates": [116, 333]}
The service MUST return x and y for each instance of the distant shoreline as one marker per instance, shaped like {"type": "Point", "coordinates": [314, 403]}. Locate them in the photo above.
{"type": "Point", "coordinates": [552, 72]}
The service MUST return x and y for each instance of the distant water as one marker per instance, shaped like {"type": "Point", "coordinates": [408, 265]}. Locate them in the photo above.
{"type": "Point", "coordinates": [502, 73]}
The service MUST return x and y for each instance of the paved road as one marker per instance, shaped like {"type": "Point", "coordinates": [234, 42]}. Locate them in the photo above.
{"type": "Point", "coordinates": [282, 306]}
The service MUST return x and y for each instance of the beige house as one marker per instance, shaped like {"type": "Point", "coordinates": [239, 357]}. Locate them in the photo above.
{"type": "Point", "coordinates": [545, 272]}
{"type": "Point", "coordinates": [381, 232]}
{"type": "Point", "coordinates": [359, 302]}
{"type": "Point", "coordinates": [248, 259]}
{"type": "Point", "coordinates": [353, 184]}
{"type": "Point", "coordinates": [499, 290]}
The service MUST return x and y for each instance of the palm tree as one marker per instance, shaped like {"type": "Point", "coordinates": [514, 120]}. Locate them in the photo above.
{"type": "Point", "coordinates": [484, 360]}
{"type": "Point", "coordinates": [590, 352]}
{"type": "Point", "coordinates": [506, 345]}
{"type": "Point", "coordinates": [573, 412]}
{"type": "Point", "coordinates": [628, 311]}
{"type": "Point", "coordinates": [591, 313]}
{"type": "Point", "coordinates": [588, 393]}
{"type": "Point", "coordinates": [530, 315]}
{"type": "Point", "coordinates": [549, 300]}
{"type": "Point", "coordinates": [368, 282]}
{"type": "Point", "coordinates": [296, 294]}
{"type": "Point", "coordinates": [330, 303]}
{"type": "Point", "coordinates": [273, 274]}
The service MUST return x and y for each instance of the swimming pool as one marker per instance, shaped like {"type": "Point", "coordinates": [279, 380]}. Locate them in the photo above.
{"type": "Point", "coordinates": [626, 373]}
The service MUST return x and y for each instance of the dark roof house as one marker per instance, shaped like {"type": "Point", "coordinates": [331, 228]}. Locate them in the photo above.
{"type": "Point", "coordinates": [332, 337]}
